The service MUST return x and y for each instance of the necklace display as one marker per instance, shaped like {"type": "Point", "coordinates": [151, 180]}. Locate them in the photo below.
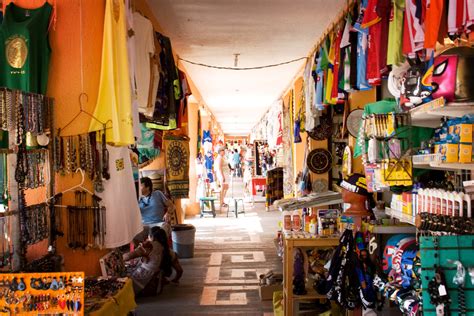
{"type": "Point", "coordinates": [36, 224]}
{"type": "Point", "coordinates": [86, 222]}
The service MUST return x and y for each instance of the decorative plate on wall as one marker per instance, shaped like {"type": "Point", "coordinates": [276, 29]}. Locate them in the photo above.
{"type": "Point", "coordinates": [323, 130]}
{"type": "Point", "coordinates": [319, 185]}
{"type": "Point", "coordinates": [319, 160]}
{"type": "Point", "coordinates": [353, 122]}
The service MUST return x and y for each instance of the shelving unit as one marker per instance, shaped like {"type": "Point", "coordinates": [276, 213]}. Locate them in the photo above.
{"type": "Point", "coordinates": [430, 113]}
{"type": "Point", "coordinates": [395, 229]}
{"type": "Point", "coordinates": [445, 166]}
{"type": "Point", "coordinates": [402, 217]}
{"type": "Point", "coordinates": [290, 243]}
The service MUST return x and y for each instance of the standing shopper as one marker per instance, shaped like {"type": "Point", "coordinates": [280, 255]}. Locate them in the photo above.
{"type": "Point", "coordinates": [222, 171]}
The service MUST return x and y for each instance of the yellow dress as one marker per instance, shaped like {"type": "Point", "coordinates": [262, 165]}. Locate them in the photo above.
{"type": "Point", "coordinates": [114, 101]}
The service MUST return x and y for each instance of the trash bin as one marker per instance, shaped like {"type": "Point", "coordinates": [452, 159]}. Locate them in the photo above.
{"type": "Point", "coordinates": [182, 236]}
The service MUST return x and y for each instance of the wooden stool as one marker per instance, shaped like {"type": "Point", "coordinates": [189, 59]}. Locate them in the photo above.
{"type": "Point", "coordinates": [211, 209]}
{"type": "Point", "coordinates": [236, 207]}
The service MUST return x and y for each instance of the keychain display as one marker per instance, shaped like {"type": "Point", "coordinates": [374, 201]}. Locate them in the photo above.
{"type": "Point", "coordinates": [42, 293]}
{"type": "Point", "coordinates": [444, 224]}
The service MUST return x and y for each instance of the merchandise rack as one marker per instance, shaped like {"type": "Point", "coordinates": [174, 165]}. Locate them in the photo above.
{"type": "Point", "coordinates": [290, 243]}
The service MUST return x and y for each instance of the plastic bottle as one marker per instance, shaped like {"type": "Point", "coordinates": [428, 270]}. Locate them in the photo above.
{"type": "Point", "coordinates": [296, 221]}
{"type": "Point", "coordinates": [414, 199]}
{"type": "Point", "coordinates": [444, 202]}
{"type": "Point", "coordinates": [312, 226]}
{"type": "Point", "coordinates": [450, 205]}
{"type": "Point", "coordinates": [467, 202]}
{"type": "Point", "coordinates": [286, 221]}
{"type": "Point", "coordinates": [420, 201]}
{"type": "Point", "coordinates": [458, 203]}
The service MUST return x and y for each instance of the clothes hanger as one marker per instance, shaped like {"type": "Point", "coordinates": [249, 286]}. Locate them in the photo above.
{"type": "Point", "coordinates": [81, 110]}
{"type": "Point", "coordinates": [73, 188]}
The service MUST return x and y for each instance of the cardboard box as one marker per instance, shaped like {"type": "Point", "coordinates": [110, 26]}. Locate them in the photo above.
{"type": "Point", "coordinates": [465, 153]}
{"type": "Point", "coordinates": [266, 291]}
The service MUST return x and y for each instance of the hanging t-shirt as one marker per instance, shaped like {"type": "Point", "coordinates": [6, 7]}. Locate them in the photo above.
{"type": "Point", "coordinates": [362, 82]}
{"type": "Point", "coordinates": [414, 35]}
{"type": "Point", "coordinates": [144, 50]}
{"type": "Point", "coordinates": [114, 99]}
{"type": "Point", "coordinates": [434, 12]}
{"type": "Point", "coordinates": [395, 33]}
{"type": "Point", "coordinates": [131, 64]}
{"type": "Point", "coordinates": [319, 99]}
{"type": "Point", "coordinates": [371, 22]}
{"type": "Point", "coordinates": [383, 11]}
{"type": "Point", "coordinates": [24, 48]}
{"type": "Point", "coordinates": [119, 198]}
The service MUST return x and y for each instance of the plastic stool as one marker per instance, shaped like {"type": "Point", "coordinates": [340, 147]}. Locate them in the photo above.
{"type": "Point", "coordinates": [212, 208]}
{"type": "Point", "coordinates": [236, 207]}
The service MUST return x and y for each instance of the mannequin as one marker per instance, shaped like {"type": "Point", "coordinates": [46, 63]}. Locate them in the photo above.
{"type": "Point", "coordinates": [354, 192]}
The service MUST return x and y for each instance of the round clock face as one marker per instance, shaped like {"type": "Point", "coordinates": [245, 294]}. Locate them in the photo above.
{"type": "Point", "coordinates": [353, 122]}
{"type": "Point", "coordinates": [319, 160]}
{"type": "Point", "coordinates": [177, 157]}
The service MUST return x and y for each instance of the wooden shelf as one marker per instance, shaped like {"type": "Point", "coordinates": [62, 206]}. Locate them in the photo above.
{"type": "Point", "coordinates": [445, 166]}
{"type": "Point", "coordinates": [405, 218]}
{"type": "Point", "coordinates": [395, 229]}
{"type": "Point", "coordinates": [290, 243]}
{"type": "Point", "coordinates": [430, 113]}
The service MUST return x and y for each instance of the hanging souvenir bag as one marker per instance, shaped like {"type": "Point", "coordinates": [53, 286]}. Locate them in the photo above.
{"type": "Point", "coordinates": [305, 183]}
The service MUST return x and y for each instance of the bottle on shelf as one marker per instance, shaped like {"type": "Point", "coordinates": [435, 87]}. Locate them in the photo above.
{"type": "Point", "coordinates": [296, 221]}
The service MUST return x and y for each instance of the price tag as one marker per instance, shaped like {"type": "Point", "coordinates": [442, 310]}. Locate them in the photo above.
{"type": "Point", "coordinates": [442, 290]}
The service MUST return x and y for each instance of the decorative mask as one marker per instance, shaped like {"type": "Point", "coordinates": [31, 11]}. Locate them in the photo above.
{"type": "Point", "coordinates": [414, 90]}
{"type": "Point", "coordinates": [453, 75]}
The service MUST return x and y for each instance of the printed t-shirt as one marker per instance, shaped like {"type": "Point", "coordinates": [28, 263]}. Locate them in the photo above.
{"type": "Point", "coordinates": [24, 48]}
{"type": "Point", "coordinates": [395, 33]}
{"type": "Point", "coordinates": [123, 216]}
{"type": "Point", "coordinates": [413, 35]}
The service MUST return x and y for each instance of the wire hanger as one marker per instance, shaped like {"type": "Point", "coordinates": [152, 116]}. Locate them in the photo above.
{"type": "Point", "coordinates": [81, 110]}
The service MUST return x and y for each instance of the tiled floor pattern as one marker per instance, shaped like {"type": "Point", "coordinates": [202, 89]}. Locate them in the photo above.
{"type": "Point", "coordinates": [222, 278]}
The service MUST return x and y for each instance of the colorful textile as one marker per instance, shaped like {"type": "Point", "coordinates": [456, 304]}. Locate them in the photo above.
{"type": "Point", "coordinates": [114, 102]}
{"type": "Point", "coordinates": [177, 165]}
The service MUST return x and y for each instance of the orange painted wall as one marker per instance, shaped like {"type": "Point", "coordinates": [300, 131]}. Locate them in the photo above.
{"type": "Point", "coordinates": [64, 86]}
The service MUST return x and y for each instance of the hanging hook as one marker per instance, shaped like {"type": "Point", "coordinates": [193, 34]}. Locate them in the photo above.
{"type": "Point", "coordinates": [82, 101]}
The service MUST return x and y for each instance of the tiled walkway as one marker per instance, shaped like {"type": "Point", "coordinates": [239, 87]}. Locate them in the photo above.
{"type": "Point", "coordinates": [222, 278]}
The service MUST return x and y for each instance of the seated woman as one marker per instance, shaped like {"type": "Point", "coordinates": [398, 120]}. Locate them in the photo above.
{"type": "Point", "coordinates": [156, 260]}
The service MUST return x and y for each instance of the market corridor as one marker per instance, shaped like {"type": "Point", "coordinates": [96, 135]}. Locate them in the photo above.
{"type": "Point", "coordinates": [222, 278]}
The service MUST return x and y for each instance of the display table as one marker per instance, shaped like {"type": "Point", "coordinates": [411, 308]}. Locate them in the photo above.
{"type": "Point", "coordinates": [290, 243]}
{"type": "Point", "coordinates": [120, 304]}
{"type": "Point", "coordinates": [257, 181]}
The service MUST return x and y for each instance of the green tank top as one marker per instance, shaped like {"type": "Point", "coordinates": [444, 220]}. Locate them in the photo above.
{"type": "Point", "coordinates": [24, 48]}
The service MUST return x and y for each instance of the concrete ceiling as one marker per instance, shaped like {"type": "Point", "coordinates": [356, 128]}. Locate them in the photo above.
{"type": "Point", "coordinates": [262, 31]}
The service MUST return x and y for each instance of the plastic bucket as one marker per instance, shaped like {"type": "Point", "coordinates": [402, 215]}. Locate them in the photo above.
{"type": "Point", "coordinates": [182, 236]}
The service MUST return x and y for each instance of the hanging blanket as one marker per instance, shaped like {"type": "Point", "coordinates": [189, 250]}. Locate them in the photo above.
{"type": "Point", "coordinates": [177, 165]}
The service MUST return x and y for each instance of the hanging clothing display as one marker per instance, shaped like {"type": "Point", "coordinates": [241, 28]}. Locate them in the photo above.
{"type": "Point", "coordinates": [144, 51]}
{"type": "Point", "coordinates": [395, 33]}
{"type": "Point", "coordinates": [114, 99]}
{"type": "Point", "coordinates": [25, 50]}
{"type": "Point", "coordinates": [123, 215]}
{"type": "Point", "coordinates": [177, 165]}
{"type": "Point", "coordinates": [169, 89]}
{"type": "Point", "coordinates": [146, 147]}
{"type": "Point", "coordinates": [131, 42]}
